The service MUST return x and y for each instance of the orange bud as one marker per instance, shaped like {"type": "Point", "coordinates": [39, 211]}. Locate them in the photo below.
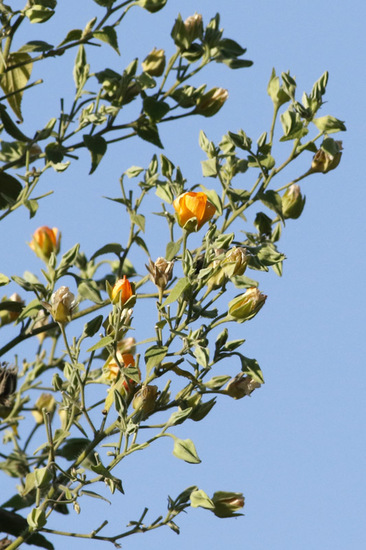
{"type": "Point", "coordinates": [194, 208]}
{"type": "Point", "coordinates": [45, 241]}
{"type": "Point", "coordinates": [122, 288]}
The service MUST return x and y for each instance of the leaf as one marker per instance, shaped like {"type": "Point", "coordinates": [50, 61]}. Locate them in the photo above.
{"type": "Point", "coordinates": [172, 249]}
{"type": "Point", "coordinates": [89, 291]}
{"type": "Point", "coordinates": [154, 356]}
{"type": "Point", "coordinates": [176, 292]}
{"type": "Point", "coordinates": [15, 79]}
{"type": "Point", "coordinates": [329, 124]}
{"type": "Point", "coordinates": [74, 34]}
{"type": "Point", "coordinates": [10, 127]}
{"type": "Point", "coordinates": [103, 342]}
{"type": "Point", "coordinates": [10, 189]}
{"type": "Point", "coordinates": [185, 450]}
{"type": "Point", "coordinates": [97, 147]}
{"type": "Point", "coordinates": [209, 168]}
{"type": "Point", "coordinates": [36, 46]}
{"type": "Point", "coordinates": [108, 34]}
{"type": "Point", "coordinates": [178, 417]}
{"type": "Point", "coordinates": [213, 198]}
{"type": "Point", "coordinates": [251, 366]}
{"type": "Point", "coordinates": [200, 499]}
{"type": "Point", "coordinates": [39, 13]}
{"type": "Point", "coordinates": [155, 109]}
{"type": "Point", "coordinates": [139, 220]}
{"type": "Point", "coordinates": [4, 280]}
{"type": "Point", "coordinates": [114, 248]}
{"type": "Point", "coordinates": [148, 131]}
{"type": "Point", "coordinates": [272, 200]}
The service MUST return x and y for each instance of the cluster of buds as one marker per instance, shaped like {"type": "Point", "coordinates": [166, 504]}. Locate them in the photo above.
{"type": "Point", "coordinates": [193, 210]}
{"type": "Point", "coordinates": [160, 272]}
{"type": "Point", "coordinates": [10, 315]}
{"type": "Point", "coordinates": [8, 384]}
{"type": "Point", "coordinates": [184, 33]}
{"type": "Point", "coordinates": [154, 63]}
{"type": "Point", "coordinates": [324, 161]}
{"type": "Point", "coordinates": [62, 305]}
{"type": "Point", "coordinates": [241, 385]}
{"type": "Point", "coordinates": [211, 102]}
{"type": "Point", "coordinates": [246, 306]}
{"type": "Point", "coordinates": [45, 241]}
{"type": "Point", "coordinates": [293, 202]}
{"type": "Point", "coordinates": [145, 399]}
{"type": "Point", "coordinates": [45, 402]}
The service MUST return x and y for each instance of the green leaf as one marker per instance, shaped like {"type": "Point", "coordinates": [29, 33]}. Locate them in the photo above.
{"type": "Point", "coordinates": [103, 342]}
{"type": "Point", "coordinates": [202, 356]}
{"type": "Point", "coordinates": [114, 248]}
{"type": "Point", "coordinates": [155, 109]}
{"type": "Point", "coordinates": [185, 450]}
{"type": "Point", "coordinates": [164, 192]}
{"type": "Point", "coordinates": [97, 147]}
{"type": "Point", "coordinates": [4, 280]}
{"type": "Point", "coordinates": [213, 198]}
{"type": "Point", "coordinates": [89, 291]}
{"type": "Point", "coordinates": [178, 417]}
{"type": "Point", "coordinates": [32, 206]}
{"type": "Point", "coordinates": [38, 14]}
{"type": "Point", "coordinates": [217, 382]}
{"type": "Point", "coordinates": [209, 168]}
{"type": "Point", "coordinates": [251, 366]}
{"type": "Point", "coordinates": [15, 79]}
{"type": "Point", "coordinates": [10, 189]}
{"type": "Point", "coordinates": [134, 171]}
{"type": "Point", "coordinates": [172, 249]}
{"type": "Point", "coordinates": [200, 499]}
{"type": "Point", "coordinates": [36, 46]}
{"type": "Point", "coordinates": [54, 152]}
{"type": "Point", "coordinates": [10, 127]}
{"type": "Point", "coordinates": [154, 356]}
{"type": "Point", "coordinates": [139, 220]}
{"type": "Point", "coordinates": [272, 200]}
{"type": "Point", "coordinates": [148, 131]}
{"type": "Point", "coordinates": [36, 519]}
{"type": "Point", "coordinates": [329, 124]}
{"type": "Point", "coordinates": [108, 34]}
{"type": "Point", "coordinates": [71, 36]}
{"type": "Point", "coordinates": [176, 292]}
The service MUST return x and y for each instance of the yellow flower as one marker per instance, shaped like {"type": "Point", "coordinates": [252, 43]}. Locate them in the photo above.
{"type": "Point", "coordinates": [194, 208]}
{"type": "Point", "coordinates": [45, 241]}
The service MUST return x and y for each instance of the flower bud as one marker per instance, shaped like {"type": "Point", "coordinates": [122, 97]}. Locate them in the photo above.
{"type": "Point", "coordinates": [293, 202]}
{"type": "Point", "coordinates": [241, 385]}
{"type": "Point", "coordinates": [152, 5]}
{"type": "Point", "coordinates": [62, 305]}
{"type": "Point", "coordinates": [227, 503]}
{"type": "Point", "coordinates": [184, 33]}
{"type": "Point", "coordinates": [145, 399]}
{"type": "Point", "coordinates": [160, 272]}
{"type": "Point", "coordinates": [218, 277]}
{"type": "Point", "coordinates": [8, 383]}
{"type": "Point", "coordinates": [324, 161]}
{"type": "Point", "coordinates": [193, 210]}
{"type": "Point", "coordinates": [211, 102]}
{"type": "Point", "coordinates": [154, 63]}
{"type": "Point", "coordinates": [246, 306]}
{"type": "Point", "coordinates": [114, 365]}
{"type": "Point", "coordinates": [121, 292]}
{"type": "Point", "coordinates": [45, 401]}
{"type": "Point", "coordinates": [236, 261]}
{"type": "Point", "coordinates": [8, 315]}
{"type": "Point", "coordinates": [45, 241]}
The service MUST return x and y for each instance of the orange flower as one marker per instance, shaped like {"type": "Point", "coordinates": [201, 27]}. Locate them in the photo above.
{"type": "Point", "coordinates": [195, 208]}
{"type": "Point", "coordinates": [45, 241]}
{"type": "Point", "coordinates": [125, 360]}
{"type": "Point", "coordinates": [124, 289]}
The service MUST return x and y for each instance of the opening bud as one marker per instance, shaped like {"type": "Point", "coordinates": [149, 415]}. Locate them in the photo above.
{"type": "Point", "coordinates": [8, 384]}
{"type": "Point", "coordinates": [122, 292]}
{"type": "Point", "coordinates": [45, 241]}
{"type": "Point", "coordinates": [236, 261]}
{"type": "Point", "coordinates": [241, 385]}
{"type": "Point", "coordinates": [246, 306]}
{"type": "Point", "coordinates": [145, 399]}
{"type": "Point", "coordinates": [227, 504]}
{"type": "Point", "coordinates": [154, 63]}
{"type": "Point", "coordinates": [62, 305]}
{"type": "Point", "coordinates": [293, 202]}
{"type": "Point", "coordinates": [326, 160]}
{"type": "Point", "coordinates": [9, 315]}
{"type": "Point", "coordinates": [211, 102]}
{"type": "Point", "coordinates": [193, 210]}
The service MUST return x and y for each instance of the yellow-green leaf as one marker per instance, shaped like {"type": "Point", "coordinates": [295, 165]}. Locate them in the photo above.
{"type": "Point", "coordinates": [15, 79]}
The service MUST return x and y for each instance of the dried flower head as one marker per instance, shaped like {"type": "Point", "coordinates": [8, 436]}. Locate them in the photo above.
{"type": "Point", "coordinates": [160, 272]}
{"type": "Point", "coordinates": [8, 383]}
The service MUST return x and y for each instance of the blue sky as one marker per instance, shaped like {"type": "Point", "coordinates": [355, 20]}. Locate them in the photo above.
{"type": "Point", "coordinates": [296, 448]}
